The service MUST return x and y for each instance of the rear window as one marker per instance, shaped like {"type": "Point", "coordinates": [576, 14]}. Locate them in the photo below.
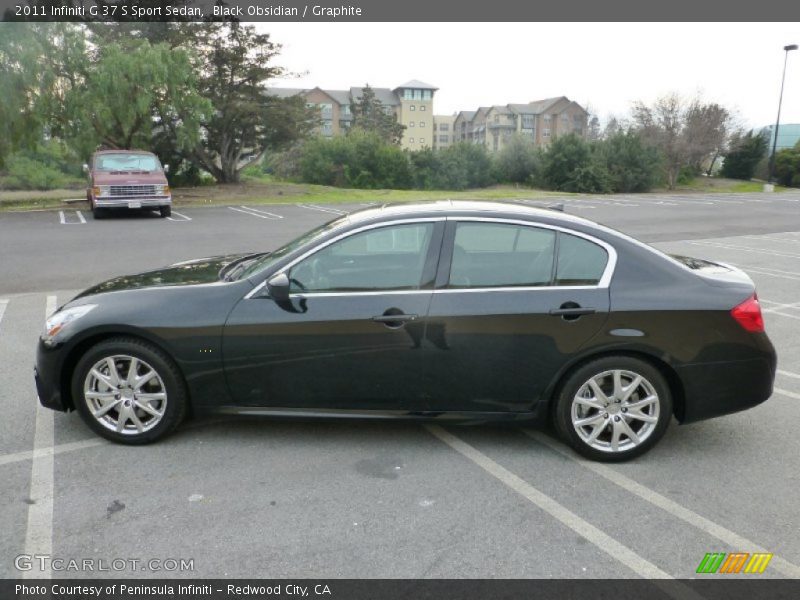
{"type": "Point", "coordinates": [126, 162]}
{"type": "Point", "coordinates": [580, 262]}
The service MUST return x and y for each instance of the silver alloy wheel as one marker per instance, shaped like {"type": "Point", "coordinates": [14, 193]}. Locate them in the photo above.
{"type": "Point", "coordinates": [615, 411]}
{"type": "Point", "coordinates": [125, 394]}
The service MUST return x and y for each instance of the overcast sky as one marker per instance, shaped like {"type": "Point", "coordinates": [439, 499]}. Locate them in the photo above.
{"type": "Point", "coordinates": [605, 65]}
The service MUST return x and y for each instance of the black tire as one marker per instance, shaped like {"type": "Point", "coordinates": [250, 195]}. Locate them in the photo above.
{"type": "Point", "coordinates": [176, 395]}
{"type": "Point", "coordinates": [601, 448]}
{"type": "Point", "coordinates": [165, 211]}
{"type": "Point", "coordinates": [98, 213]}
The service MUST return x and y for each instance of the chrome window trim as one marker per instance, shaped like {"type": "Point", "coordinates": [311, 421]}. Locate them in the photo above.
{"type": "Point", "coordinates": [605, 278]}
{"type": "Point", "coordinates": [604, 283]}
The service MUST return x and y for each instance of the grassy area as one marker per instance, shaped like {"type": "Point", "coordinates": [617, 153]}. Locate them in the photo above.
{"type": "Point", "coordinates": [713, 185]}
{"type": "Point", "coordinates": [259, 192]}
{"type": "Point", "coordinates": [265, 191]}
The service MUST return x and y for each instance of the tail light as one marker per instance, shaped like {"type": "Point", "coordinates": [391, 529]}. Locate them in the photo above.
{"type": "Point", "coordinates": [748, 315]}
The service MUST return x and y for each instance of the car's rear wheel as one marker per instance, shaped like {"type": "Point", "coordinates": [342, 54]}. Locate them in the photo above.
{"type": "Point", "coordinates": [165, 211]}
{"type": "Point", "coordinates": [129, 391]}
{"type": "Point", "coordinates": [614, 408]}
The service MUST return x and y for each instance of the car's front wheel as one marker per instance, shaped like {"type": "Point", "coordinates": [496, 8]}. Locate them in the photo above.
{"type": "Point", "coordinates": [614, 408]}
{"type": "Point", "coordinates": [165, 211]}
{"type": "Point", "coordinates": [129, 391]}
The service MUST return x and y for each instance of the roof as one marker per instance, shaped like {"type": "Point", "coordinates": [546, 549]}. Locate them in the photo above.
{"type": "Point", "coordinates": [466, 114]}
{"type": "Point", "coordinates": [417, 84]}
{"type": "Point", "coordinates": [406, 209]}
{"type": "Point", "coordinates": [285, 92]}
{"type": "Point", "coordinates": [385, 95]}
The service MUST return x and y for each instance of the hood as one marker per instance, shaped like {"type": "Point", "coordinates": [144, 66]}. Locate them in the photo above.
{"type": "Point", "coordinates": [128, 177]}
{"type": "Point", "coordinates": [191, 272]}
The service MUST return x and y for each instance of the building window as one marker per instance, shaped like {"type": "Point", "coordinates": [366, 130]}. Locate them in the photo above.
{"type": "Point", "coordinates": [421, 140]}
{"type": "Point", "coordinates": [444, 139]}
{"type": "Point", "coordinates": [547, 118]}
{"type": "Point", "coordinates": [408, 94]}
{"type": "Point", "coordinates": [410, 140]}
{"type": "Point", "coordinates": [345, 109]}
{"type": "Point", "coordinates": [412, 107]}
{"type": "Point", "coordinates": [411, 124]}
{"type": "Point", "coordinates": [326, 109]}
{"type": "Point", "coordinates": [444, 127]}
{"type": "Point", "coordinates": [326, 128]}
{"type": "Point", "coordinates": [422, 107]}
{"type": "Point", "coordinates": [426, 94]}
{"type": "Point", "coordinates": [344, 124]}
{"type": "Point", "coordinates": [546, 132]}
{"type": "Point", "coordinates": [422, 123]}
{"type": "Point", "coordinates": [528, 121]}
{"type": "Point", "coordinates": [497, 118]}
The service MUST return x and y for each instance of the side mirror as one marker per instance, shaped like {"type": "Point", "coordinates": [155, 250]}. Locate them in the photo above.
{"type": "Point", "coordinates": [278, 287]}
{"type": "Point", "coordinates": [166, 168]}
{"type": "Point", "coordinates": [85, 168]}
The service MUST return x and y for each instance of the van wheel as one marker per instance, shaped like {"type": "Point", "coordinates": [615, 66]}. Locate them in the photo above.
{"type": "Point", "coordinates": [165, 211]}
{"type": "Point", "coordinates": [614, 408]}
{"type": "Point", "coordinates": [98, 213]}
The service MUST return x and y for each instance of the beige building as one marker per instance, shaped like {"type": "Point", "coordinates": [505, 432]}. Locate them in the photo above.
{"type": "Point", "coordinates": [412, 104]}
{"type": "Point", "coordinates": [541, 120]}
{"type": "Point", "coordinates": [443, 131]}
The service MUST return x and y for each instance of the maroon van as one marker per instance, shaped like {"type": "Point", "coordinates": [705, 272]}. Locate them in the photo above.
{"type": "Point", "coordinates": [127, 179]}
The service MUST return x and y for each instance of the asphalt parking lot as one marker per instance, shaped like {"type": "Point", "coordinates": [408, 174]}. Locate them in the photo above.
{"type": "Point", "coordinates": [270, 498]}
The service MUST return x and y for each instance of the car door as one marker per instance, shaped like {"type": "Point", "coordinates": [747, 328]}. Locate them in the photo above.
{"type": "Point", "coordinates": [350, 336]}
{"type": "Point", "coordinates": [513, 302]}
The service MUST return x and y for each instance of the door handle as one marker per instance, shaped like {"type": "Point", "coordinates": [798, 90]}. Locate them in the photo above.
{"type": "Point", "coordinates": [574, 311]}
{"type": "Point", "coordinates": [401, 318]}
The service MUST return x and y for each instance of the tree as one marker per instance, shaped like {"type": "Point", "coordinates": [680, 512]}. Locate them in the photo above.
{"type": "Point", "coordinates": [235, 63]}
{"type": "Point", "coordinates": [370, 114]}
{"type": "Point", "coordinates": [632, 166]}
{"type": "Point", "coordinates": [571, 165]}
{"type": "Point", "coordinates": [787, 166]}
{"type": "Point", "coordinates": [518, 160]}
{"type": "Point", "coordinates": [746, 151]}
{"type": "Point", "coordinates": [686, 133]}
{"type": "Point", "coordinates": [131, 92]}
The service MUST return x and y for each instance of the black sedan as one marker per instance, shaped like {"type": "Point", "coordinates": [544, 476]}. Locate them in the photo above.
{"type": "Point", "coordinates": [449, 311]}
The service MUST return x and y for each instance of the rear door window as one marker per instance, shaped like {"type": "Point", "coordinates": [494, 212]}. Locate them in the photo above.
{"type": "Point", "coordinates": [580, 262]}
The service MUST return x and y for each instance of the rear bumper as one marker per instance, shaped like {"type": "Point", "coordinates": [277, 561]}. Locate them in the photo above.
{"type": "Point", "coordinates": [125, 202]}
{"type": "Point", "coordinates": [716, 389]}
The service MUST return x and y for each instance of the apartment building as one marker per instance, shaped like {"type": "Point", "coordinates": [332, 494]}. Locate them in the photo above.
{"type": "Point", "coordinates": [541, 120]}
{"type": "Point", "coordinates": [443, 131]}
{"type": "Point", "coordinates": [411, 103]}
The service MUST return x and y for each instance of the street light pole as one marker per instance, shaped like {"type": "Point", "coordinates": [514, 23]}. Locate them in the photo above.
{"type": "Point", "coordinates": [786, 49]}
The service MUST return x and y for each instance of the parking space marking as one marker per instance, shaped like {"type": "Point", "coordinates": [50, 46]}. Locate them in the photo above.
{"type": "Point", "coordinates": [254, 212]}
{"type": "Point", "coordinates": [62, 217]}
{"type": "Point", "coordinates": [708, 526]}
{"type": "Point", "coordinates": [789, 394]}
{"type": "Point", "coordinates": [778, 306]}
{"type": "Point", "coordinates": [326, 209]}
{"type": "Point", "coordinates": [181, 215]}
{"type": "Point", "coordinates": [744, 248]}
{"type": "Point", "coordinates": [16, 457]}
{"type": "Point", "coordinates": [39, 532]}
{"type": "Point", "coordinates": [586, 530]}
{"type": "Point", "coordinates": [3, 306]}
{"type": "Point", "coordinates": [788, 374]}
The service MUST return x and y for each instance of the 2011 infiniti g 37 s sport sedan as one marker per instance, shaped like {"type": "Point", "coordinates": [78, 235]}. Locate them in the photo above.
{"type": "Point", "coordinates": [462, 311]}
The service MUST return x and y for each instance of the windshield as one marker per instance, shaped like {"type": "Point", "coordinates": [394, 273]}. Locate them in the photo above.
{"type": "Point", "coordinates": [123, 161]}
{"type": "Point", "coordinates": [272, 257]}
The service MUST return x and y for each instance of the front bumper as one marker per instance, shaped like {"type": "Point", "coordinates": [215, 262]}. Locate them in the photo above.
{"type": "Point", "coordinates": [132, 201]}
{"type": "Point", "coordinates": [47, 375]}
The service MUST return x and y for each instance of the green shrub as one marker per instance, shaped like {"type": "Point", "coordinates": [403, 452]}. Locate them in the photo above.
{"type": "Point", "coordinates": [632, 166]}
{"type": "Point", "coordinates": [518, 160]}
{"type": "Point", "coordinates": [743, 158]}
{"type": "Point", "coordinates": [27, 174]}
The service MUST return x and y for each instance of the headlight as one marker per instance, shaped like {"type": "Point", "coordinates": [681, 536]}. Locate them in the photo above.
{"type": "Point", "coordinates": [101, 190]}
{"type": "Point", "coordinates": [61, 319]}
{"type": "Point", "coordinates": [162, 190]}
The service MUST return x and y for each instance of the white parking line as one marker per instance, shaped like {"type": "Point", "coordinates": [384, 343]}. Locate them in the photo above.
{"type": "Point", "coordinates": [253, 212]}
{"type": "Point", "coordinates": [15, 457]}
{"type": "Point", "coordinates": [777, 306]}
{"type": "Point", "coordinates": [181, 215]}
{"type": "Point", "coordinates": [788, 374]}
{"type": "Point", "coordinates": [3, 306]}
{"type": "Point", "coordinates": [62, 217]}
{"type": "Point", "coordinates": [745, 248]}
{"type": "Point", "coordinates": [606, 543]}
{"type": "Point", "coordinates": [39, 533]}
{"type": "Point", "coordinates": [728, 537]}
{"type": "Point", "coordinates": [326, 209]}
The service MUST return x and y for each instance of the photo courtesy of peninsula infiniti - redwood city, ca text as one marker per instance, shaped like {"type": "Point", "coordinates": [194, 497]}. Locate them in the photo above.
{"type": "Point", "coordinates": [454, 311]}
